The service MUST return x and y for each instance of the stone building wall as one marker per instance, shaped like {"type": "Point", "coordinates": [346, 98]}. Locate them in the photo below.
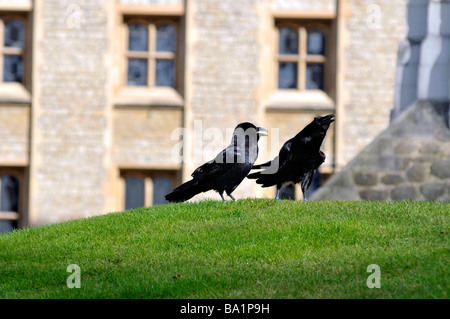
{"type": "Point", "coordinates": [144, 118]}
{"type": "Point", "coordinates": [327, 5]}
{"type": "Point", "coordinates": [76, 138]}
{"type": "Point", "coordinates": [225, 72]}
{"type": "Point", "coordinates": [143, 136]}
{"type": "Point", "coordinates": [152, 2]}
{"type": "Point", "coordinates": [14, 134]}
{"type": "Point", "coordinates": [411, 158]}
{"type": "Point", "coordinates": [15, 3]}
{"type": "Point", "coordinates": [408, 160]}
{"type": "Point", "coordinates": [373, 30]}
{"type": "Point", "coordinates": [70, 107]}
{"type": "Point", "coordinates": [14, 109]}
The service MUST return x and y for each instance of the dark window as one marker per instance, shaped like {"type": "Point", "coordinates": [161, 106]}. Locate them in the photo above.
{"type": "Point", "coordinates": [13, 51]}
{"type": "Point", "coordinates": [137, 37]}
{"type": "Point", "coordinates": [314, 76]}
{"type": "Point", "coordinates": [151, 55]}
{"type": "Point", "coordinates": [288, 41]}
{"type": "Point", "coordinates": [166, 43]}
{"type": "Point", "coordinates": [9, 201]}
{"type": "Point", "coordinates": [137, 72]}
{"type": "Point", "coordinates": [166, 38]}
{"type": "Point", "coordinates": [316, 42]}
{"type": "Point", "coordinates": [14, 34]}
{"type": "Point", "coordinates": [147, 187]}
{"type": "Point", "coordinates": [9, 198]}
{"type": "Point", "coordinates": [12, 68]}
{"type": "Point", "coordinates": [137, 42]}
{"type": "Point", "coordinates": [287, 192]}
{"type": "Point", "coordinates": [287, 50]}
{"type": "Point", "coordinates": [165, 73]}
{"type": "Point", "coordinates": [287, 75]}
{"type": "Point", "coordinates": [161, 187]}
{"type": "Point", "coordinates": [301, 56]}
{"type": "Point", "coordinates": [134, 192]}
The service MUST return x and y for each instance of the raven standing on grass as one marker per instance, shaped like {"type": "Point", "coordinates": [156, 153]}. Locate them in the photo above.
{"type": "Point", "coordinates": [227, 170]}
{"type": "Point", "coordinates": [298, 158]}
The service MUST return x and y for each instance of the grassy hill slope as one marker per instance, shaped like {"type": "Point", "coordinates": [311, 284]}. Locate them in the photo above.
{"type": "Point", "coordinates": [253, 248]}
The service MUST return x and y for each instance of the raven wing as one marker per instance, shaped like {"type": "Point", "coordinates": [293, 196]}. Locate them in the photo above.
{"type": "Point", "coordinates": [282, 155]}
{"type": "Point", "coordinates": [307, 178]}
{"type": "Point", "coordinates": [269, 175]}
{"type": "Point", "coordinates": [220, 164]}
{"type": "Point", "coordinates": [285, 153]}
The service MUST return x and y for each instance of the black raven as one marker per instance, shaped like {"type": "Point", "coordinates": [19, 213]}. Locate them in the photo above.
{"type": "Point", "coordinates": [298, 158]}
{"type": "Point", "coordinates": [227, 170]}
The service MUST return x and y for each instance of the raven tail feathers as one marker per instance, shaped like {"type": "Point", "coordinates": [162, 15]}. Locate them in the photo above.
{"type": "Point", "coordinates": [265, 180]}
{"type": "Point", "coordinates": [184, 192]}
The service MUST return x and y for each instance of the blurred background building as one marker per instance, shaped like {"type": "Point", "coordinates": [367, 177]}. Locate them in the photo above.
{"type": "Point", "coordinates": [93, 93]}
{"type": "Point", "coordinates": [410, 159]}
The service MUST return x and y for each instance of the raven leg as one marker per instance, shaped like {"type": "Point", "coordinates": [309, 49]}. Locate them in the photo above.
{"type": "Point", "coordinates": [304, 194]}
{"type": "Point", "coordinates": [221, 195]}
{"type": "Point", "coordinates": [229, 194]}
{"type": "Point", "coordinates": [278, 193]}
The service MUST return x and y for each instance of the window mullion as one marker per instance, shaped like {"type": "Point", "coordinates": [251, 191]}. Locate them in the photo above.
{"type": "Point", "coordinates": [151, 56]}
{"type": "Point", "coordinates": [316, 59]}
{"type": "Point", "coordinates": [288, 58]}
{"type": "Point", "coordinates": [163, 55]}
{"type": "Point", "coordinates": [12, 51]}
{"type": "Point", "coordinates": [137, 55]}
{"type": "Point", "coordinates": [301, 74]}
{"type": "Point", "coordinates": [148, 199]}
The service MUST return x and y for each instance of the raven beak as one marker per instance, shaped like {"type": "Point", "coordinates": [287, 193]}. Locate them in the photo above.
{"type": "Point", "coordinates": [328, 119]}
{"type": "Point", "coordinates": [259, 129]}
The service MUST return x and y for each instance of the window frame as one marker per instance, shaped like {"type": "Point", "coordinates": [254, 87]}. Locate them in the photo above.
{"type": "Point", "coordinates": [144, 182]}
{"type": "Point", "coordinates": [19, 216]}
{"type": "Point", "coordinates": [151, 55]}
{"type": "Point", "coordinates": [302, 58]}
{"type": "Point", "coordinates": [25, 53]}
{"type": "Point", "coordinates": [147, 176]}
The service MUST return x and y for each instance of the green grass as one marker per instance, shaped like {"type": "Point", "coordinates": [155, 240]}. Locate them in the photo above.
{"type": "Point", "coordinates": [253, 248]}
